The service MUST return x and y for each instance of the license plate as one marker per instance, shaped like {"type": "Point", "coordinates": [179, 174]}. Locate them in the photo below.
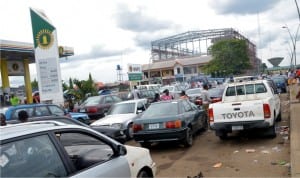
{"type": "Point", "coordinates": [82, 110]}
{"type": "Point", "coordinates": [237, 127]}
{"type": "Point", "coordinates": [153, 126]}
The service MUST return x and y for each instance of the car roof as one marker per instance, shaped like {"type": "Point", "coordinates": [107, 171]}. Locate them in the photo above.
{"type": "Point", "coordinates": [16, 130]}
{"type": "Point", "coordinates": [30, 105]}
{"type": "Point", "coordinates": [132, 101]}
{"type": "Point", "coordinates": [246, 82]}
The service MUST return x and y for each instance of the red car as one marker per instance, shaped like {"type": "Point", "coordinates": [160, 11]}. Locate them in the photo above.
{"type": "Point", "coordinates": [96, 106]}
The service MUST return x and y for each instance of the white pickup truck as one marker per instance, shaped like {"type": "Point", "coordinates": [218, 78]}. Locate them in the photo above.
{"type": "Point", "coordinates": [246, 105]}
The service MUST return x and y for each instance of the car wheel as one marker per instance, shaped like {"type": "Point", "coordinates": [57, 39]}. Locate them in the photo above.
{"type": "Point", "coordinates": [142, 174]}
{"type": "Point", "coordinates": [188, 140]}
{"type": "Point", "coordinates": [279, 118]}
{"type": "Point", "coordinates": [145, 144]}
{"type": "Point", "coordinates": [271, 132]}
{"type": "Point", "coordinates": [204, 125]}
{"type": "Point", "coordinates": [222, 135]}
{"type": "Point", "coordinates": [129, 132]}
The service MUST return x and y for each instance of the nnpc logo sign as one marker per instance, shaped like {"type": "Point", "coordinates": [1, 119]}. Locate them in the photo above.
{"type": "Point", "coordinates": [44, 39]}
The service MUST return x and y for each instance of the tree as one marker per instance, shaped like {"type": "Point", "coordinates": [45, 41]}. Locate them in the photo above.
{"type": "Point", "coordinates": [70, 83]}
{"type": "Point", "coordinates": [229, 56]}
{"type": "Point", "coordinates": [34, 84]}
{"type": "Point", "coordinates": [263, 67]}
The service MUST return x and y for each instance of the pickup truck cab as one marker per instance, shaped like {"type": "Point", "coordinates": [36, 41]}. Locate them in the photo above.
{"type": "Point", "coordinates": [246, 105]}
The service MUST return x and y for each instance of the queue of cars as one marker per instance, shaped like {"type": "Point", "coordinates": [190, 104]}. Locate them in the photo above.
{"type": "Point", "coordinates": [97, 149]}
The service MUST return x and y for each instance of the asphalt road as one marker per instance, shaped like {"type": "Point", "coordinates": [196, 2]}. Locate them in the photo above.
{"type": "Point", "coordinates": [242, 155]}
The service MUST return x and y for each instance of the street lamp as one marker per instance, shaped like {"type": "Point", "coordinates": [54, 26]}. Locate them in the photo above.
{"type": "Point", "coordinates": [294, 41]}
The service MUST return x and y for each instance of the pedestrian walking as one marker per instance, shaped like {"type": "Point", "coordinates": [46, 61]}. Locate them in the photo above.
{"type": "Point", "coordinates": [135, 93]}
{"type": "Point", "coordinates": [206, 100]}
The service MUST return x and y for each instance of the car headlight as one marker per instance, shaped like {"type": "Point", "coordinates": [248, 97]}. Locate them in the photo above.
{"type": "Point", "coordinates": [116, 125]}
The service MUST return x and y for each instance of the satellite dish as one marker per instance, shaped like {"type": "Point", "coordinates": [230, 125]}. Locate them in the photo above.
{"type": "Point", "coordinates": [275, 61]}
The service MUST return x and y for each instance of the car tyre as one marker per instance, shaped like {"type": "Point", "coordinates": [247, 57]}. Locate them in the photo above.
{"type": "Point", "coordinates": [143, 174]}
{"type": "Point", "coordinates": [223, 135]}
{"type": "Point", "coordinates": [271, 132]}
{"type": "Point", "coordinates": [279, 118]}
{"type": "Point", "coordinates": [188, 140]}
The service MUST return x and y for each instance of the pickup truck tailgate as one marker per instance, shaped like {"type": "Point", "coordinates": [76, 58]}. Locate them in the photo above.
{"type": "Point", "coordinates": [238, 111]}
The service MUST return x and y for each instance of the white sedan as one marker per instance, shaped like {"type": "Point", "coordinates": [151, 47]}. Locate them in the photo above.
{"type": "Point", "coordinates": [122, 114]}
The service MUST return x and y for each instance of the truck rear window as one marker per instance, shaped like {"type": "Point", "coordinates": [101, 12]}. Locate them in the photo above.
{"type": "Point", "coordinates": [246, 89]}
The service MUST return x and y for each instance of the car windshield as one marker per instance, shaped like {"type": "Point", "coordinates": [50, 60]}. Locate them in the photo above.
{"type": "Point", "coordinates": [125, 108]}
{"type": "Point", "coordinates": [193, 91]}
{"type": "Point", "coordinates": [161, 109]}
{"type": "Point", "coordinates": [91, 101]}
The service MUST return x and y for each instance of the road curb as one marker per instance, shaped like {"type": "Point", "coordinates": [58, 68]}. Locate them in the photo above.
{"type": "Point", "coordinates": [294, 131]}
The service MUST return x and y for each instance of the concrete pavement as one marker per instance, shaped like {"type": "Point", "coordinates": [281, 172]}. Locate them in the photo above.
{"type": "Point", "coordinates": [295, 131]}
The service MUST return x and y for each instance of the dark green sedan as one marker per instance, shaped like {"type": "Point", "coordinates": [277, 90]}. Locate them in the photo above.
{"type": "Point", "coordinates": [174, 120]}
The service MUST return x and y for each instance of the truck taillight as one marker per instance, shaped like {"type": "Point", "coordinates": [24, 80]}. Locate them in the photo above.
{"type": "Point", "coordinates": [267, 111]}
{"type": "Point", "coordinates": [211, 115]}
{"type": "Point", "coordinates": [137, 127]}
{"type": "Point", "coordinates": [173, 124]}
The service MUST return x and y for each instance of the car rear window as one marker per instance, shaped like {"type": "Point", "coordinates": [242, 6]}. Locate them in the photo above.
{"type": "Point", "coordinates": [246, 89]}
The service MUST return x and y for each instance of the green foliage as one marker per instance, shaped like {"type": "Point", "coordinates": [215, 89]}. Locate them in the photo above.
{"type": "Point", "coordinates": [65, 86]}
{"type": "Point", "coordinates": [230, 56]}
{"type": "Point", "coordinates": [70, 83]}
{"type": "Point", "coordinates": [35, 84]}
{"type": "Point", "coordinates": [85, 87]}
{"type": "Point", "coordinates": [263, 67]}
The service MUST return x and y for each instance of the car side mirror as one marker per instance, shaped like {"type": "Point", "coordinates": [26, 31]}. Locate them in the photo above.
{"type": "Point", "coordinates": [122, 150]}
{"type": "Point", "coordinates": [139, 111]}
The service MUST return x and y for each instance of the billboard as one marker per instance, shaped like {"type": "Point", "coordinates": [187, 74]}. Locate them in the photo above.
{"type": "Point", "coordinates": [46, 58]}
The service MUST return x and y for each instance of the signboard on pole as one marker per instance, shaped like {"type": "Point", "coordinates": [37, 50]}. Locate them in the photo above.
{"type": "Point", "coordinates": [135, 72]}
{"type": "Point", "coordinates": [46, 58]}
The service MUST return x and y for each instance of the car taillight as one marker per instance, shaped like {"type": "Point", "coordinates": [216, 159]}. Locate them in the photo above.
{"type": "Point", "coordinates": [137, 127]}
{"type": "Point", "coordinates": [198, 102]}
{"type": "Point", "coordinates": [267, 111]}
{"type": "Point", "coordinates": [211, 115]}
{"type": "Point", "coordinates": [173, 124]}
{"type": "Point", "coordinates": [92, 110]}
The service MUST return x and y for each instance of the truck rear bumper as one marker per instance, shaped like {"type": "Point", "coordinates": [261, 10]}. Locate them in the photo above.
{"type": "Point", "coordinates": [241, 125]}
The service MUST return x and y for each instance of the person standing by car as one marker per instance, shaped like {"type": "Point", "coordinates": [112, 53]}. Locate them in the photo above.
{"type": "Point", "coordinates": [166, 95]}
{"type": "Point", "coordinates": [183, 95]}
{"type": "Point", "coordinates": [23, 116]}
{"type": "Point", "coordinates": [14, 100]}
{"type": "Point", "coordinates": [2, 119]}
{"type": "Point", "coordinates": [156, 98]}
{"type": "Point", "coordinates": [135, 93]}
{"type": "Point", "coordinates": [206, 100]}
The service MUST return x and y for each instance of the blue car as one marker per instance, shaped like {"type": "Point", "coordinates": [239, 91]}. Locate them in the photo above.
{"type": "Point", "coordinates": [281, 84]}
{"type": "Point", "coordinates": [38, 110]}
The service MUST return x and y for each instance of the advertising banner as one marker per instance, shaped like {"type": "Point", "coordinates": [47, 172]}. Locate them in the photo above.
{"type": "Point", "coordinates": [46, 58]}
{"type": "Point", "coordinates": [135, 72]}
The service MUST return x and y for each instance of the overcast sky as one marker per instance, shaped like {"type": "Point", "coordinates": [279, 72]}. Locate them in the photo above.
{"type": "Point", "coordinates": [105, 33]}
